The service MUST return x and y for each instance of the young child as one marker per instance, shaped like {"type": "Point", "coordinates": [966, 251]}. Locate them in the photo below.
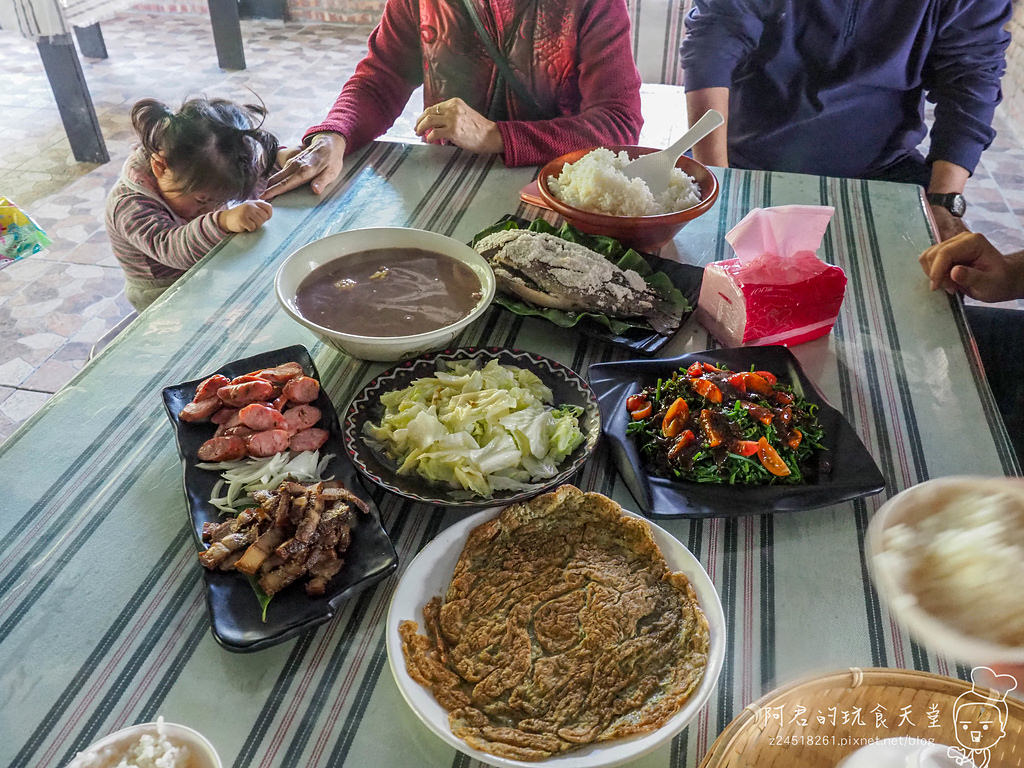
{"type": "Point", "coordinates": [178, 193]}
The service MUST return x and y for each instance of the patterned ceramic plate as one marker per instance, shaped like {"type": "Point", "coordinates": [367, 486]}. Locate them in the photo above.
{"type": "Point", "coordinates": [234, 608]}
{"type": "Point", "coordinates": [845, 468]}
{"type": "Point", "coordinates": [565, 384]}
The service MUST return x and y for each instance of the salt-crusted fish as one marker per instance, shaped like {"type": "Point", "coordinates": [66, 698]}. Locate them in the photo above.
{"type": "Point", "coordinates": [552, 272]}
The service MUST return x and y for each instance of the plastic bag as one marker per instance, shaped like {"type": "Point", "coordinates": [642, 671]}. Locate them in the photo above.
{"type": "Point", "coordinates": [19, 235]}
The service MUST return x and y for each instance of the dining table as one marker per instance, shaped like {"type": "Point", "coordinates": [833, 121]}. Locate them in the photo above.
{"type": "Point", "coordinates": [102, 615]}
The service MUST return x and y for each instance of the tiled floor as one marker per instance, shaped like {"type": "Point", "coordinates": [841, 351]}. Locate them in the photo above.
{"type": "Point", "coordinates": [56, 304]}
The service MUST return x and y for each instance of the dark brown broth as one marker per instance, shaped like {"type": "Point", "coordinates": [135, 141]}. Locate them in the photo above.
{"type": "Point", "coordinates": [420, 292]}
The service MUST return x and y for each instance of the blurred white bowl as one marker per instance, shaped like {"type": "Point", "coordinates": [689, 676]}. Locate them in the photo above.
{"type": "Point", "coordinates": [109, 750]}
{"type": "Point", "coordinates": [910, 507]}
{"type": "Point", "coordinates": [299, 264]}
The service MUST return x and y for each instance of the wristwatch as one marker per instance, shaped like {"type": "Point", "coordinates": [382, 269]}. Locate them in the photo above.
{"type": "Point", "coordinates": [952, 201]}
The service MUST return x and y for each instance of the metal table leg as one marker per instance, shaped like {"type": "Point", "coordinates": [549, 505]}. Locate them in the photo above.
{"type": "Point", "coordinates": [90, 41]}
{"type": "Point", "coordinates": [227, 33]}
{"type": "Point", "coordinates": [64, 71]}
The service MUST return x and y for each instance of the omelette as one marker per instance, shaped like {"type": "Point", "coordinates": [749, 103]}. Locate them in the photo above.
{"type": "Point", "coordinates": [563, 626]}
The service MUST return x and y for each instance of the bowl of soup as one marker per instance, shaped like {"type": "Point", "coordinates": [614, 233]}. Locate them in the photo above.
{"type": "Point", "coordinates": [385, 293]}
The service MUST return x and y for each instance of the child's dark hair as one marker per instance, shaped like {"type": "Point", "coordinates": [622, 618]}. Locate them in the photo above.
{"type": "Point", "coordinates": [210, 145]}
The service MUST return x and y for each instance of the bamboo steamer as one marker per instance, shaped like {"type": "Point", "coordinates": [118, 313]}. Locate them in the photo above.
{"type": "Point", "coordinates": [757, 737]}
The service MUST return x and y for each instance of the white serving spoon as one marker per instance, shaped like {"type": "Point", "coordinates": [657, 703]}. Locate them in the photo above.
{"type": "Point", "coordinates": [655, 167]}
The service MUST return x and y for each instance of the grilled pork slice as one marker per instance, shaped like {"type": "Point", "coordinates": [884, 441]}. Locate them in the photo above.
{"type": "Point", "coordinates": [297, 530]}
{"type": "Point", "coordinates": [552, 272]}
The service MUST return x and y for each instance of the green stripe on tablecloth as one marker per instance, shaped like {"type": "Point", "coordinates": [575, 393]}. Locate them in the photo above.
{"type": "Point", "coordinates": [92, 662]}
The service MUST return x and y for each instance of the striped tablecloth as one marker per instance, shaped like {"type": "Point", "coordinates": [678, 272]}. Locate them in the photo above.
{"type": "Point", "coordinates": [102, 619]}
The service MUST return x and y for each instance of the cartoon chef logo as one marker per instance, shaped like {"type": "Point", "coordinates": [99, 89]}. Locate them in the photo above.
{"type": "Point", "coordinates": [980, 716]}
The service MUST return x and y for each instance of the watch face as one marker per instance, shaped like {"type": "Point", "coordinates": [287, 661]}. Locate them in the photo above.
{"type": "Point", "coordinates": [952, 202]}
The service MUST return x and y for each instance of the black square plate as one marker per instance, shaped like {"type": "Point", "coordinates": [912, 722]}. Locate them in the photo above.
{"type": "Point", "coordinates": [846, 470]}
{"type": "Point", "coordinates": [234, 609]}
{"type": "Point", "coordinates": [685, 277]}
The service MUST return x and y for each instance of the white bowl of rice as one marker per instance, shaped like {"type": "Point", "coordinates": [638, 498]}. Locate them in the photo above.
{"type": "Point", "coordinates": [947, 557]}
{"type": "Point", "coordinates": [150, 745]}
{"type": "Point", "coordinates": [590, 191]}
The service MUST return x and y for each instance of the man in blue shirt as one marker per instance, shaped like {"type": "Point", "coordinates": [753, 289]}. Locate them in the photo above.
{"type": "Point", "coordinates": [837, 87]}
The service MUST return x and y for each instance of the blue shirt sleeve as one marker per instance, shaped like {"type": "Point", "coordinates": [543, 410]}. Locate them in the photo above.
{"type": "Point", "coordinates": [961, 76]}
{"type": "Point", "coordinates": [719, 35]}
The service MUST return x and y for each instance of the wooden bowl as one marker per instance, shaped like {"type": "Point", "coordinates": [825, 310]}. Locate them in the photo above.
{"type": "Point", "coordinates": [768, 733]}
{"type": "Point", "coordinates": [645, 233]}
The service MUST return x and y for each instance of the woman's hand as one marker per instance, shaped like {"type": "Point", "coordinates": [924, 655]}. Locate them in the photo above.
{"type": "Point", "coordinates": [455, 122]}
{"type": "Point", "coordinates": [245, 217]}
{"type": "Point", "coordinates": [318, 163]}
{"type": "Point", "coordinates": [970, 264]}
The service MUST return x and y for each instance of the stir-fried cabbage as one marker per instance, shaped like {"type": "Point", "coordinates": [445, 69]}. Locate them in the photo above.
{"type": "Point", "coordinates": [482, 430]}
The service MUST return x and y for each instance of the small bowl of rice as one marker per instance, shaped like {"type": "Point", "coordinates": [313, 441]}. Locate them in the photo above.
{"type": "Point", "coordinates": [947, 558]}
{"type": "Point", "coordinates": [589, 190]}
{"type": "Point", "coordinates": [150, 745]}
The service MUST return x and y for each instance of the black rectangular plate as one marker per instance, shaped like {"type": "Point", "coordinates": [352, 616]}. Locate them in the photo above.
{"type": "Point", "coordinates": [234, 609]}
{"type": "Point", "coordinates": [846, 469]}
{"type": "Point", "coordinates": [686, 277]}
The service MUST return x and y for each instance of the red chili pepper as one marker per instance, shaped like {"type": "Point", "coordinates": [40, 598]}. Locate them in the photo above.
{"type": "Point", "coordinates": [685, 439]}
{"type": "Point", "coordinates": [768, 376]}
{"type": "Point", "coordinates": [770, 459]}
{"type": "Point", "coordinates": [737, 381]}
{"type": "Point", "coordinates": [745, 447]}
{"type": "Point", "coordinates": [695, 370]}
{"type": "Point", "coordinates": [707, 390]}
{"type": "Point", "coordinates": [675, 418]}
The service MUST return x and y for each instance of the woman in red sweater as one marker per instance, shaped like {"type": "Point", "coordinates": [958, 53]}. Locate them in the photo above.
{"type": "Point", "coordinates": [577, 85]}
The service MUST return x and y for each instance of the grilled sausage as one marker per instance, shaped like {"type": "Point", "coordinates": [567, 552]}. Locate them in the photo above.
{"type": "Point", "coordinates": [208, 387]}
{"type": "Point", "coordinates": [301, 417]}
{"type": "Point", "coordinates": [308, 439]}
{"type": "Point", "coordinates": [201, 410]}
{"type": "Point", "coordinates": [302, 389]}
{"type": "Point", "coordinates": [268, 442]}
{"type": "Point", "coordinates": [259, 417]}
{"type": "Point", "coordinates": [238, 395]}
{"type": "Point", "coordinates": [228, 448]}
{"type": "Point", "coordinates": [224, 415]}
{"type": "Point", "coordinates": [281, 373]}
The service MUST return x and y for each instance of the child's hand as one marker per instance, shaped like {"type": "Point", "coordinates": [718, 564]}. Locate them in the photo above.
{"type": "Point", "coordinates": [245, 217]}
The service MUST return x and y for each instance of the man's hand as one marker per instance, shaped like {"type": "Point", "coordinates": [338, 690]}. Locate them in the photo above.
{"type": "Point", "coordinates": [948, 224]}
{"type": "Point", "coordinates": [245, 217]}
{"type": "Point", "coordinates": [318, 163]}
{"type": "Point", "coordinates": [455, 122]}
{"type": "Point", "coordinates": [970, 264]}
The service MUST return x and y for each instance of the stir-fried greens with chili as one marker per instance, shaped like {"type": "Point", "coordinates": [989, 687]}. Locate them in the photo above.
{"type": "Point", "coordinates": [707, 424]}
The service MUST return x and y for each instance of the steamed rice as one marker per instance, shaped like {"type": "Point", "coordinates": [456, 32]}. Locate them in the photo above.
{"type": "Point", "coordinates": [150, 750]}
{"type": "Point", "coordinates": [596, 183]}
{"type": "Point", "coordinates": [965, 563]}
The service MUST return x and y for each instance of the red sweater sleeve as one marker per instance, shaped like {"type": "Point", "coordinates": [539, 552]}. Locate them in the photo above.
{"type": "Point", "coordinates": [377, 92]}
{"type": "Point", "coordinates": [609, 88]}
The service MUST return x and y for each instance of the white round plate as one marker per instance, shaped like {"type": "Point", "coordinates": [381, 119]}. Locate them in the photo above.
{"type": "Point", "coordinates": [431, 571]}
